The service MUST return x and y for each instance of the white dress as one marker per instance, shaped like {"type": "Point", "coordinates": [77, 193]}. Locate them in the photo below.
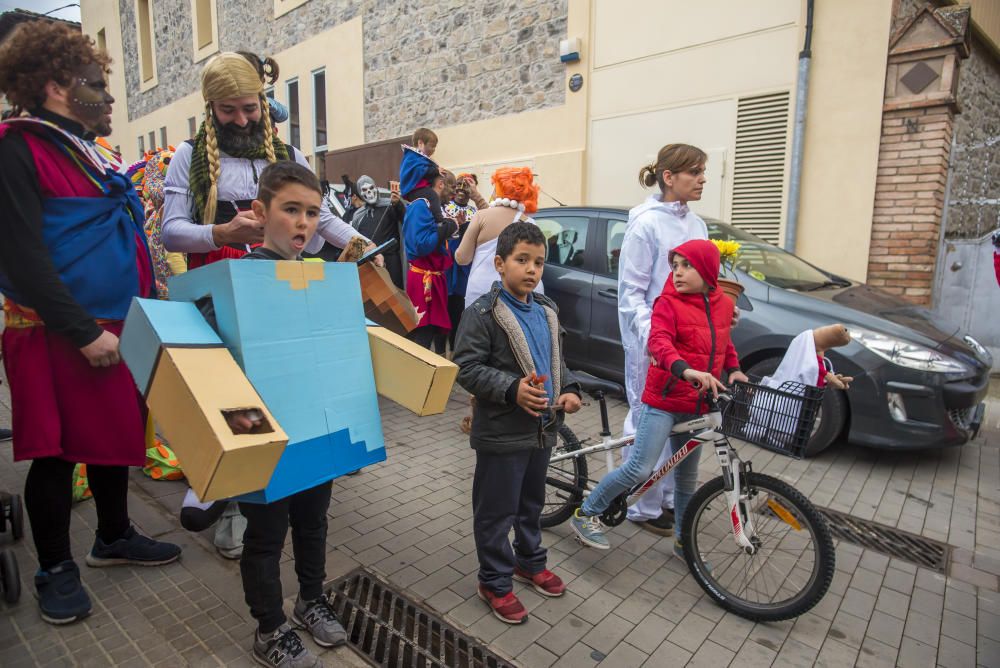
{"type": "Point", "coordinates": [654, 229]}
{"type": "Point", "coordinates": [483, 273]}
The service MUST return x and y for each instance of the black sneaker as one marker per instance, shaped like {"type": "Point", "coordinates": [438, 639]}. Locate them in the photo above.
{"type": "Point", "coordinates": [661, 526]}
{"type": "Point", "coordinates": [283, 649]}
{"type": "Point", "coordinates": [132, 548]}
{"type": "Point", "coordinates": [194, 518]}
{"type": "Point", "coordinates": [6, 434]}
{"type": "Point", "coordinates": [61, 596]}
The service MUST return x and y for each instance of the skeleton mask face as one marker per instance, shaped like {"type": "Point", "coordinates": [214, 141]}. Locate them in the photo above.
{"type": "Point", "coordinates": [369, 193]}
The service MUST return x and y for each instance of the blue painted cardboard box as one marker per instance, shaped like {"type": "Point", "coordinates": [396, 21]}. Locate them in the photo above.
{"type": "Point", "coordinates": [297, 329]}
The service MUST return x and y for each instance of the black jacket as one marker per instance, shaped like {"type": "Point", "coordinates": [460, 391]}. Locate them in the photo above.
{"type": "Point", "coordinates": [492, 354]}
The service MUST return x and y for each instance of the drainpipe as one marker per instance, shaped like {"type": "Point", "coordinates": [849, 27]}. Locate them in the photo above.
{"type": "Point", "coordinates": [798, 136]}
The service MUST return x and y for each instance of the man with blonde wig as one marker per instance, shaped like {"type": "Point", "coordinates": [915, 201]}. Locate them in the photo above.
{"type": "Point", "coordinates": [213, 178]}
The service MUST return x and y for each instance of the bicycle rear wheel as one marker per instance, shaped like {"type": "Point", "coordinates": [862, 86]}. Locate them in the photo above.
{"type": "Point", "coordinates": [564, 481]}
{"type": "Point", "coordinates": [793, 565]}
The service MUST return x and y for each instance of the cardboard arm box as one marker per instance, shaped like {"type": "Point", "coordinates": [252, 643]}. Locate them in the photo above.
{"type": "Point", "coordinates": [409, 374]}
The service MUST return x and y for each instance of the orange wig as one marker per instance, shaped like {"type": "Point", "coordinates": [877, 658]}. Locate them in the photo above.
{"type": "Point", "coordinates": [516, 183]}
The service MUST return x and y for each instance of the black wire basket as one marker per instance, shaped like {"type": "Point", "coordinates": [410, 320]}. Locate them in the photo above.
{"type": "Point", "coordinates": [776, 419]}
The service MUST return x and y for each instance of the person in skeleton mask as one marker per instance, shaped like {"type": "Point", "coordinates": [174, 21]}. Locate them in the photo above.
{"type": "Point", "coordinates": [381, 219]}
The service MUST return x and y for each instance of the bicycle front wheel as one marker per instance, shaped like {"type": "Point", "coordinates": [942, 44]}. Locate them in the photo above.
{"type": "Point", "coordinates": [792, 567]}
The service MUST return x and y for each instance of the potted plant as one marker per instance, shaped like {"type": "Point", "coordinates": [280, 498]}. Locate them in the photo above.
{"type": "Point", "coordinates": [729, 252]}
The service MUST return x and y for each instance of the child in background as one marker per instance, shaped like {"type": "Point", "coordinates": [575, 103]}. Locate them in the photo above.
{"type": "Point", "coordinates": [288, 202]}
{"type": "Point", "coordinates": [688, 341]}
{"type": "Point", "coordinates": [425, 141]}
{"type": "Point", "coordinates": [509, 353]}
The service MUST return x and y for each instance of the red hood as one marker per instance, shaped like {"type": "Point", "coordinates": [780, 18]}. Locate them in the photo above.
{"type": "Point", "coordinates": [703, 256]}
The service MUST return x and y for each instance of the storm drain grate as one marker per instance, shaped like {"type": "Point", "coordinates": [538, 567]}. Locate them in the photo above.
{"type": "Point", "coordinates": [889, 540]}
{"type": "Point", "coordinates": [393, 631]}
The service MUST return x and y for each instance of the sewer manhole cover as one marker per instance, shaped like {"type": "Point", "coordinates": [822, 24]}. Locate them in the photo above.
{"type": "Point", "coordinates": [391, 630]}
{"type": "Point", "coordinates": [889, 540]}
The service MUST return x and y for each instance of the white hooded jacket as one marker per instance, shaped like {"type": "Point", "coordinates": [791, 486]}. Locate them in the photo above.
{"type": "Point", "coordinates": [654, 229]}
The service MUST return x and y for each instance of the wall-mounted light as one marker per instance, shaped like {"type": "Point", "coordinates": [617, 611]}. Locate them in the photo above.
{"type": "Point", "coordinates": [569, 50]}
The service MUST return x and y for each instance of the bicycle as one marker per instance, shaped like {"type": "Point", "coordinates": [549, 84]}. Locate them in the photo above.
{"type": "Point", "coordinates": [754, 543]}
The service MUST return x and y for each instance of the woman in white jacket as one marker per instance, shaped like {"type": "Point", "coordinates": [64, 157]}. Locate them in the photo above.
{"type": "Point", "coordinates": [655, 227]}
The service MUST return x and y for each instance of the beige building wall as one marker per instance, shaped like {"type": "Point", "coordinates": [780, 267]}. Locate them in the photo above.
{"type": "Point", "coordinates": [843, 130]}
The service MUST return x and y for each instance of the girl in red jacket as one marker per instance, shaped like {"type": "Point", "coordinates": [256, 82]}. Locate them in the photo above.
{"type": "Point", "coordinates": [688, 341]}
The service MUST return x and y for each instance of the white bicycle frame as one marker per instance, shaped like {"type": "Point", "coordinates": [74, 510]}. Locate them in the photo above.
{"type": "Point", "coordinates": [729, 460]}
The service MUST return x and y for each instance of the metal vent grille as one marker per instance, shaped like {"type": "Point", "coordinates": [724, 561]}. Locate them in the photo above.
{"type": "Point", "coordinates": [759, 172]}
{"type": "Point", "coordinates": [889, 540]}
{"type": "Point", "coordinates": [391, 630]}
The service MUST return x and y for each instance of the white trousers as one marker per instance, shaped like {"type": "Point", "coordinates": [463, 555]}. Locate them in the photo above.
{"type": "Point", "coordinates": [661, 495]}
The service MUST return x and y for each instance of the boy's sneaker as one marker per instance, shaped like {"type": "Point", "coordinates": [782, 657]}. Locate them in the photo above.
{"type": "Point", "coordinates": [132, 548]}
{"type": "Point", "coordinates": [589, 529]}
{"type": "Point", "coordinates": [317, 617]}
{"type": "Point", "coordinates": [283, 649]}
{"type": "Point", "coordinates": [545, 583]}
{"type": "Point", "coordinates": [661, 526]}
{"type": "Point", "coordinates": [61, 596]}
{"type": "Point", "coordinates": [506, 608]}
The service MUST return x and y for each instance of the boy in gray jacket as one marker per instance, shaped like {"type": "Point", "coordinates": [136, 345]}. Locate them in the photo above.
{"type": "Point", "coordinates": [509, 353]}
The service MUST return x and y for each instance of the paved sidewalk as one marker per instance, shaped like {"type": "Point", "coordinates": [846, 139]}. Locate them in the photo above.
{"type": "Point", "coordinates": [409, 519]}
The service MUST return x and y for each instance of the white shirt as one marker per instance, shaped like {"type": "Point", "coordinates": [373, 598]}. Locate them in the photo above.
{"type": "Point", "coordinates": [236, 182]}
{"type": "Point", "coordinates": [654, 229]}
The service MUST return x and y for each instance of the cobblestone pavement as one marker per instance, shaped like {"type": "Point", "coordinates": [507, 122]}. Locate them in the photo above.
{"type": "Point", "coordinates": [409, 519]}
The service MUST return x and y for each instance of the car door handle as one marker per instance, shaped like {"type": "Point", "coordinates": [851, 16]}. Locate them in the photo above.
{"type": "Point", "coordinates": [610, 292]}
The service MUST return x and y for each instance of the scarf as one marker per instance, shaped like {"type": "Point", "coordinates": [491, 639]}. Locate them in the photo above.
{"type": "Point", "coordinates": [199, 181]}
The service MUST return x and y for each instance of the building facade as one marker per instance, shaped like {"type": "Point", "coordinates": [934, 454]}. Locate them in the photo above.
{"type": "Point", "coordinates": [488, 78]}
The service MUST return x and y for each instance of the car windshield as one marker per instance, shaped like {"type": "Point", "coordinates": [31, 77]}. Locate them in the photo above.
{"type": "Point", "coordinates": [771, 264]}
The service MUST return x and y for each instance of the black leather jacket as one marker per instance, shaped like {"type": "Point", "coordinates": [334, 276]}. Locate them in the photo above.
{"type": "Point", "coordinates": [492, 354]}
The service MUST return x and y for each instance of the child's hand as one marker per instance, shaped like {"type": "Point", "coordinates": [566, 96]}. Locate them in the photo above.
{"type": "Point", "coordinates": [839, 381]}
{"type": "Point", "coordinates": [531, 398]}
{"type": "Point", "coordinates": [736, 316]}
{"type": "Point", "coordinates": [704, 382]}
{"type": "Point", "coordinates": [243, 422]}
{"type": "Point", "coordinates": [738, 376]}
{"type": "Point", "coordinates": [569, 402]}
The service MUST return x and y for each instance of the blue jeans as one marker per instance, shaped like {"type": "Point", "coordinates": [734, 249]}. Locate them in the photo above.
{"type": "Point", "coordinates": [651, 435]}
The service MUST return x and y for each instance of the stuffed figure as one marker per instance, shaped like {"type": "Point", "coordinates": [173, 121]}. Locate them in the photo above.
{"type": "Point", "coordinates": [824, 338]}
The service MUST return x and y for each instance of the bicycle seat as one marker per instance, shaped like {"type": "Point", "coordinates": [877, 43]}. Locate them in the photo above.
{"type": "Point", "coordinates": [592, 384]}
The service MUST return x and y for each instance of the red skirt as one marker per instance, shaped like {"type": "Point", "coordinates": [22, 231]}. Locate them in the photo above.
{"type": "Point", "coordinates": [427, 288]}
{"type": "Point", "coordinates": [63, 407]}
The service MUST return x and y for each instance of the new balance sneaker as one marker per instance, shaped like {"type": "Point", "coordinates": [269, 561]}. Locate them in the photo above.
{"type": "Point", "coordinates": [506, 608]}
{"type": "Point", "coordinates": [589, 529]}
{"type": "Point", "coordinates": [132, 548]}
{"type": "Point", "coordinates": [545, 583]}
{"type": "Point", "coordinates": [61, 596]}
{"type": "Point", "coordinates": [283, 649]}
{"type": "Point", "coordinates": [318, 618]}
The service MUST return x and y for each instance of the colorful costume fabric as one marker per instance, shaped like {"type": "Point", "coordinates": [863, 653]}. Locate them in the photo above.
{"type": "Point", "coordinates": [148, 176]}
{"type": "Point", "coordinates": [91, 230]}
{"type": "Point", "coordinates": [426, 283]}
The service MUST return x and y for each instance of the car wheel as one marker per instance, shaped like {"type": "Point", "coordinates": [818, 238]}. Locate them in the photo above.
{"type": "Point", "coordinates": [831, 418]}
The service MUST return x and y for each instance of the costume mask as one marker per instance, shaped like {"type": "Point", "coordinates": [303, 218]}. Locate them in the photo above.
{"type": "Point", "coordinates": [368, 190]}
{"type": "Point", "coordinates": [89, 100]}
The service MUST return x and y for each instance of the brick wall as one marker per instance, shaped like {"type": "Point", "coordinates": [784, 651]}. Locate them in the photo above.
{"type": "Point", "coordinates": [909, 198]}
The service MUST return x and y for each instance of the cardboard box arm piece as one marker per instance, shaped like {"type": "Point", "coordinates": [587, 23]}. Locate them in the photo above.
{"type": "Point", "coordinates": [409, 374]}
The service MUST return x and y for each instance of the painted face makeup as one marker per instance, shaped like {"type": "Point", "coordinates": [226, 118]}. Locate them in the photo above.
{"type": "Point", "coordinates": [89, 99]}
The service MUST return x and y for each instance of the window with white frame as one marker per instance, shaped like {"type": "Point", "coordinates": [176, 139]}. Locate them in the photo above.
{"type": "Point", "coordinates": [294, 118]}
{"type": "Point", "coordinates": [319, 110]}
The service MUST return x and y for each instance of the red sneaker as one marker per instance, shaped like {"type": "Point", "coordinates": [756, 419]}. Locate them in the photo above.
{"type": "Point", "coordinates": [506, 608]}
{"type": "Point", "coordinates": [545, 583]}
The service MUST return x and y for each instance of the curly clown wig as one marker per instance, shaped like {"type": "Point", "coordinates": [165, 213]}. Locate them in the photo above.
{"type": "Point", "coordinates": [39, 52]}
{"type": "Point", "coordinates": [516, 183]}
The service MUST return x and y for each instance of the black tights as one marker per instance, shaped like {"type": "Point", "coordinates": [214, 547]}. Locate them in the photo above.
{"type": "Point", "coordinates": [48, 498]}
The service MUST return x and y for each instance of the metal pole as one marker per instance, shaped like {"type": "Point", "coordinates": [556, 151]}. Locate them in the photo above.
{"type": "Point", "coordinates": [798, 135]}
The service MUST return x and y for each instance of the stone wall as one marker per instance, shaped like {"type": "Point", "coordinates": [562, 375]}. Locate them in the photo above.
{"type": "Point", "coordinates": [426, 62]}
{"type": "Point", "coordinates": [974, 198]}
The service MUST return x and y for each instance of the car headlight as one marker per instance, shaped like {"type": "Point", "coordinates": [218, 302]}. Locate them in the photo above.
{"type": "Point", "coordinates": [979, 349]}
{"type": "Point", "coordinates": [907, 354]}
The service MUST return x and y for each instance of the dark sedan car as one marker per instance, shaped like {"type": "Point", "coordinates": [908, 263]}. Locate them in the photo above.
{"type": "Point", "coordinates": [919, 382]}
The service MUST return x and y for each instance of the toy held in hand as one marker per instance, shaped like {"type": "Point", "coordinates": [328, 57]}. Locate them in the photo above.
{"type": "Point", "coordinates": [824, 338]}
